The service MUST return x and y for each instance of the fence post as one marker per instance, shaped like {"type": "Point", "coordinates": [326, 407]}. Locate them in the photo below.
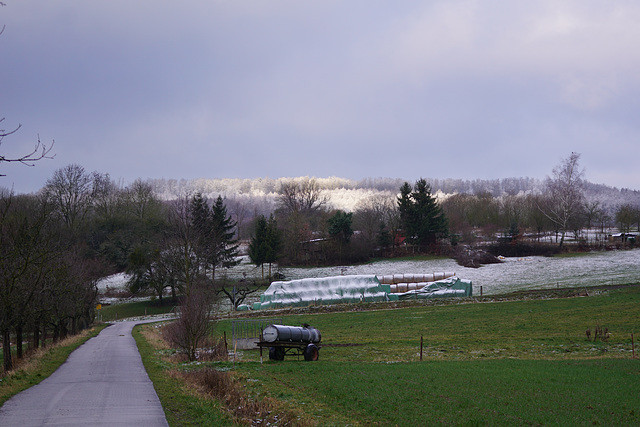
{"type": "Point", "coordinates": [226, 348]}
{"type": "Point", "coordinates": [633, 346]}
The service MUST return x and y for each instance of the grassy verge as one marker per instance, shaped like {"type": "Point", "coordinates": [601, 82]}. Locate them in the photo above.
{"type": "Point", "coordinates": [135, 309]}
{"type": "Point", "coordinates": [183, 406]}
{"type": "Point", "coordinates": [41, 364]}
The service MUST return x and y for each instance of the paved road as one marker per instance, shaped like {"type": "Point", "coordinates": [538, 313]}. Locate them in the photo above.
{"type": "Point", "coordinates": [102, 383]}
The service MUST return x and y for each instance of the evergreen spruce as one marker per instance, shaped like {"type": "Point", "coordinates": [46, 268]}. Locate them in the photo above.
{"type": "Point", "coordinates": [225, 246]}
{"type": "Point", "coordinates": [266, 243]}
{"type": "Point", "coordinates": [422, 218]}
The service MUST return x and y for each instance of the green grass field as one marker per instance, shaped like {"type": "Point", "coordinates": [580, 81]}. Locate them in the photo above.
{"type": "Point", "coordinates": [495, 363]}
{"type": "Point", "coordinates": [480, 392]}
{"type": "Point", "coordinates": [110, 313]}
{"type": "Point", "coordinates": [525, 329]}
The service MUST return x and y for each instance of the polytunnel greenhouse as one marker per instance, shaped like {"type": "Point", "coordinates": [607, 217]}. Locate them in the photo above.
{"type": "Point", "coordinates": [361, 288]}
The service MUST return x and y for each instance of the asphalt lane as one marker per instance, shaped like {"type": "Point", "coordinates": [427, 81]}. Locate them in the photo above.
{"type": "Point", "coordinates": [102, 383]}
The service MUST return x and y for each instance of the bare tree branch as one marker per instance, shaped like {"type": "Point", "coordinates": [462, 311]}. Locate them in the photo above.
{"type": "Point", "coordinates": [39, 152]}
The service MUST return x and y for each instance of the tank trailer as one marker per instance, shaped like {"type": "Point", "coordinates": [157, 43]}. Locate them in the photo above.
{"type": "Point", "coordinates": [283, 340]}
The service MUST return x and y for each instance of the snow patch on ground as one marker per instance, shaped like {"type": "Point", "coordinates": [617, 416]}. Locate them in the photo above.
{"type": "Point", "coordinates": [115, 281]}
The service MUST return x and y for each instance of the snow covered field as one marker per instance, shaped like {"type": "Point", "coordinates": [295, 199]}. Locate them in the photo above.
{"type": "Point", "coordinates": [598, 268]}
{"type": "Point", "coordinates": [513, 274]}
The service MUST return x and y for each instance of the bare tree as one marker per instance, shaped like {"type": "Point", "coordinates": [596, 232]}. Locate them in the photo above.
{"type": "Point", "coordinates": [565, 194]}
{"type": "Point", "coordinates": [304, 196]}
{"type": "Point", "coordinates": [240, 209]}
{"type": "Point", "coordinates": [592, 210]}
{"type": "Point", "coordinates": [625, 217]}
{"type": "Point", "coordinates": [70, 189]}
{"type": "Point", "coordinates": [196, 319]}
{"type": "Point", "coordinates": [24, 256]}
{"type": "Point", "coordinates": [105, 195]}
{"type": "Point", "coordinates": [181, 244]}
{"type": "Point", "coordinates": [143, 199]}
{"type": "Point", "coordinates": [300, 208]}
{"type": "Point", "coordinates": [237, 292]}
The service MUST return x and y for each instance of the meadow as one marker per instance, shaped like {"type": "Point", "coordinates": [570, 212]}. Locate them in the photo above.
{"type": "Point", "coordinates": [485, 362]}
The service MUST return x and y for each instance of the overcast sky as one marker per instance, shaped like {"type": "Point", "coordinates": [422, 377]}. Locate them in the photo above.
{"type": "Point", "coordinates": [350, 88]}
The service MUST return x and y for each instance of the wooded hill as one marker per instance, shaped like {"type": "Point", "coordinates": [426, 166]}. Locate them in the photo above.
{"type": "Point", "coordinates": [345, 194]}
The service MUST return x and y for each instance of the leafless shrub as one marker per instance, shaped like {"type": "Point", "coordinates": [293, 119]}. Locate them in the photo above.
{"type": "Point", "coordinates": [196, 320]}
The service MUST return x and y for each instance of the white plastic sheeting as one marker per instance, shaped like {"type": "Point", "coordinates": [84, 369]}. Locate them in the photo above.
{"type": "Point", "coordinates": [350, 289]}
{"type": "Point", "coordinates": [326, 290]}
{"type": "Point", "coordinates": [395, 279]}
{"type": "Point", "coordinates": [450, 287]}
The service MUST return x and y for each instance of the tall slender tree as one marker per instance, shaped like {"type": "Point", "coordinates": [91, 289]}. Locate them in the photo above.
{"type": "Point", "coordinates": [225, 246]}
{"type": "Point", "coordinates": [565, 194]}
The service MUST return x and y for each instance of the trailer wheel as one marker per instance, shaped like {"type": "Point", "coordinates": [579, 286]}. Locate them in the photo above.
{"type": "Point", "coordinates": [276, 353]}
{"type": "Point", "coordinates": [311, 353]}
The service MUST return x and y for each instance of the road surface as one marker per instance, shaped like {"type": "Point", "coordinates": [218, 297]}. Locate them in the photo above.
{"type": "Point", "coordinates": [102, 383]}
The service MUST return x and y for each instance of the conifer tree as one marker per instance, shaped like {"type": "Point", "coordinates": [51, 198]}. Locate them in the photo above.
{"type": "Point", "coordinates": [258, 245]}
{"type": "Point", "coordinates": [266, 243]}
{"type": "Point", "coordinates": [224, 251]}
{"type": "Point", "coordinates": [215, 230]}
{"type": "Point", "coordinates": [422, 218]}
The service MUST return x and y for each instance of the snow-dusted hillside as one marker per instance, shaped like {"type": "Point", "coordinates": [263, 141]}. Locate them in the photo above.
{"type": "Point", "coordinates": [346, 194]}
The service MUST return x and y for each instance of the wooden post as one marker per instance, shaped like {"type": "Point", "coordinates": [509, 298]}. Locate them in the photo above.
{"type": "Point", "coordinates": [226, 347]}
{"type": "Point", "coordinates": [480, 290]}
{"type": "Point", "coordinates": [421, 346]}
{"type": "Point", "coordinates": [633, 346]}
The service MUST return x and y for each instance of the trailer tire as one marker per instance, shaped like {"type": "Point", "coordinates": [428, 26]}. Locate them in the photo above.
{"type": "Point", "coordinates": [276, 353]}
{"type": "Point", "coordinates": [311, 353]}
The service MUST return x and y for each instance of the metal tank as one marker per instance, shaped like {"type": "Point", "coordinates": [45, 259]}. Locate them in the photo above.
{"type": "Point", "coordinates": [293, 334]}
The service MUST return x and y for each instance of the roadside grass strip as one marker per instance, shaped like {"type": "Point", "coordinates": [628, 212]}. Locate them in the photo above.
{"type": "Point", "coordinates": [183, 405]}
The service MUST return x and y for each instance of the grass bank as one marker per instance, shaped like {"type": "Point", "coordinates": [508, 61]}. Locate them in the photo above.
{"type": "Point", "coordinates": [182, 404]}
{"type": "Point", "coordinates": [41, 364]}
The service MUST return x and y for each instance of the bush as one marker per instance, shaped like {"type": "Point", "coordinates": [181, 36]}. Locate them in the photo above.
{"type": "Point", "coordinates": [196, 320]}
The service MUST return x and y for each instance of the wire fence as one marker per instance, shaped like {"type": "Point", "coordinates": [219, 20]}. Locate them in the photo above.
{"type": "Point", "coordinates": [244, 332]}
